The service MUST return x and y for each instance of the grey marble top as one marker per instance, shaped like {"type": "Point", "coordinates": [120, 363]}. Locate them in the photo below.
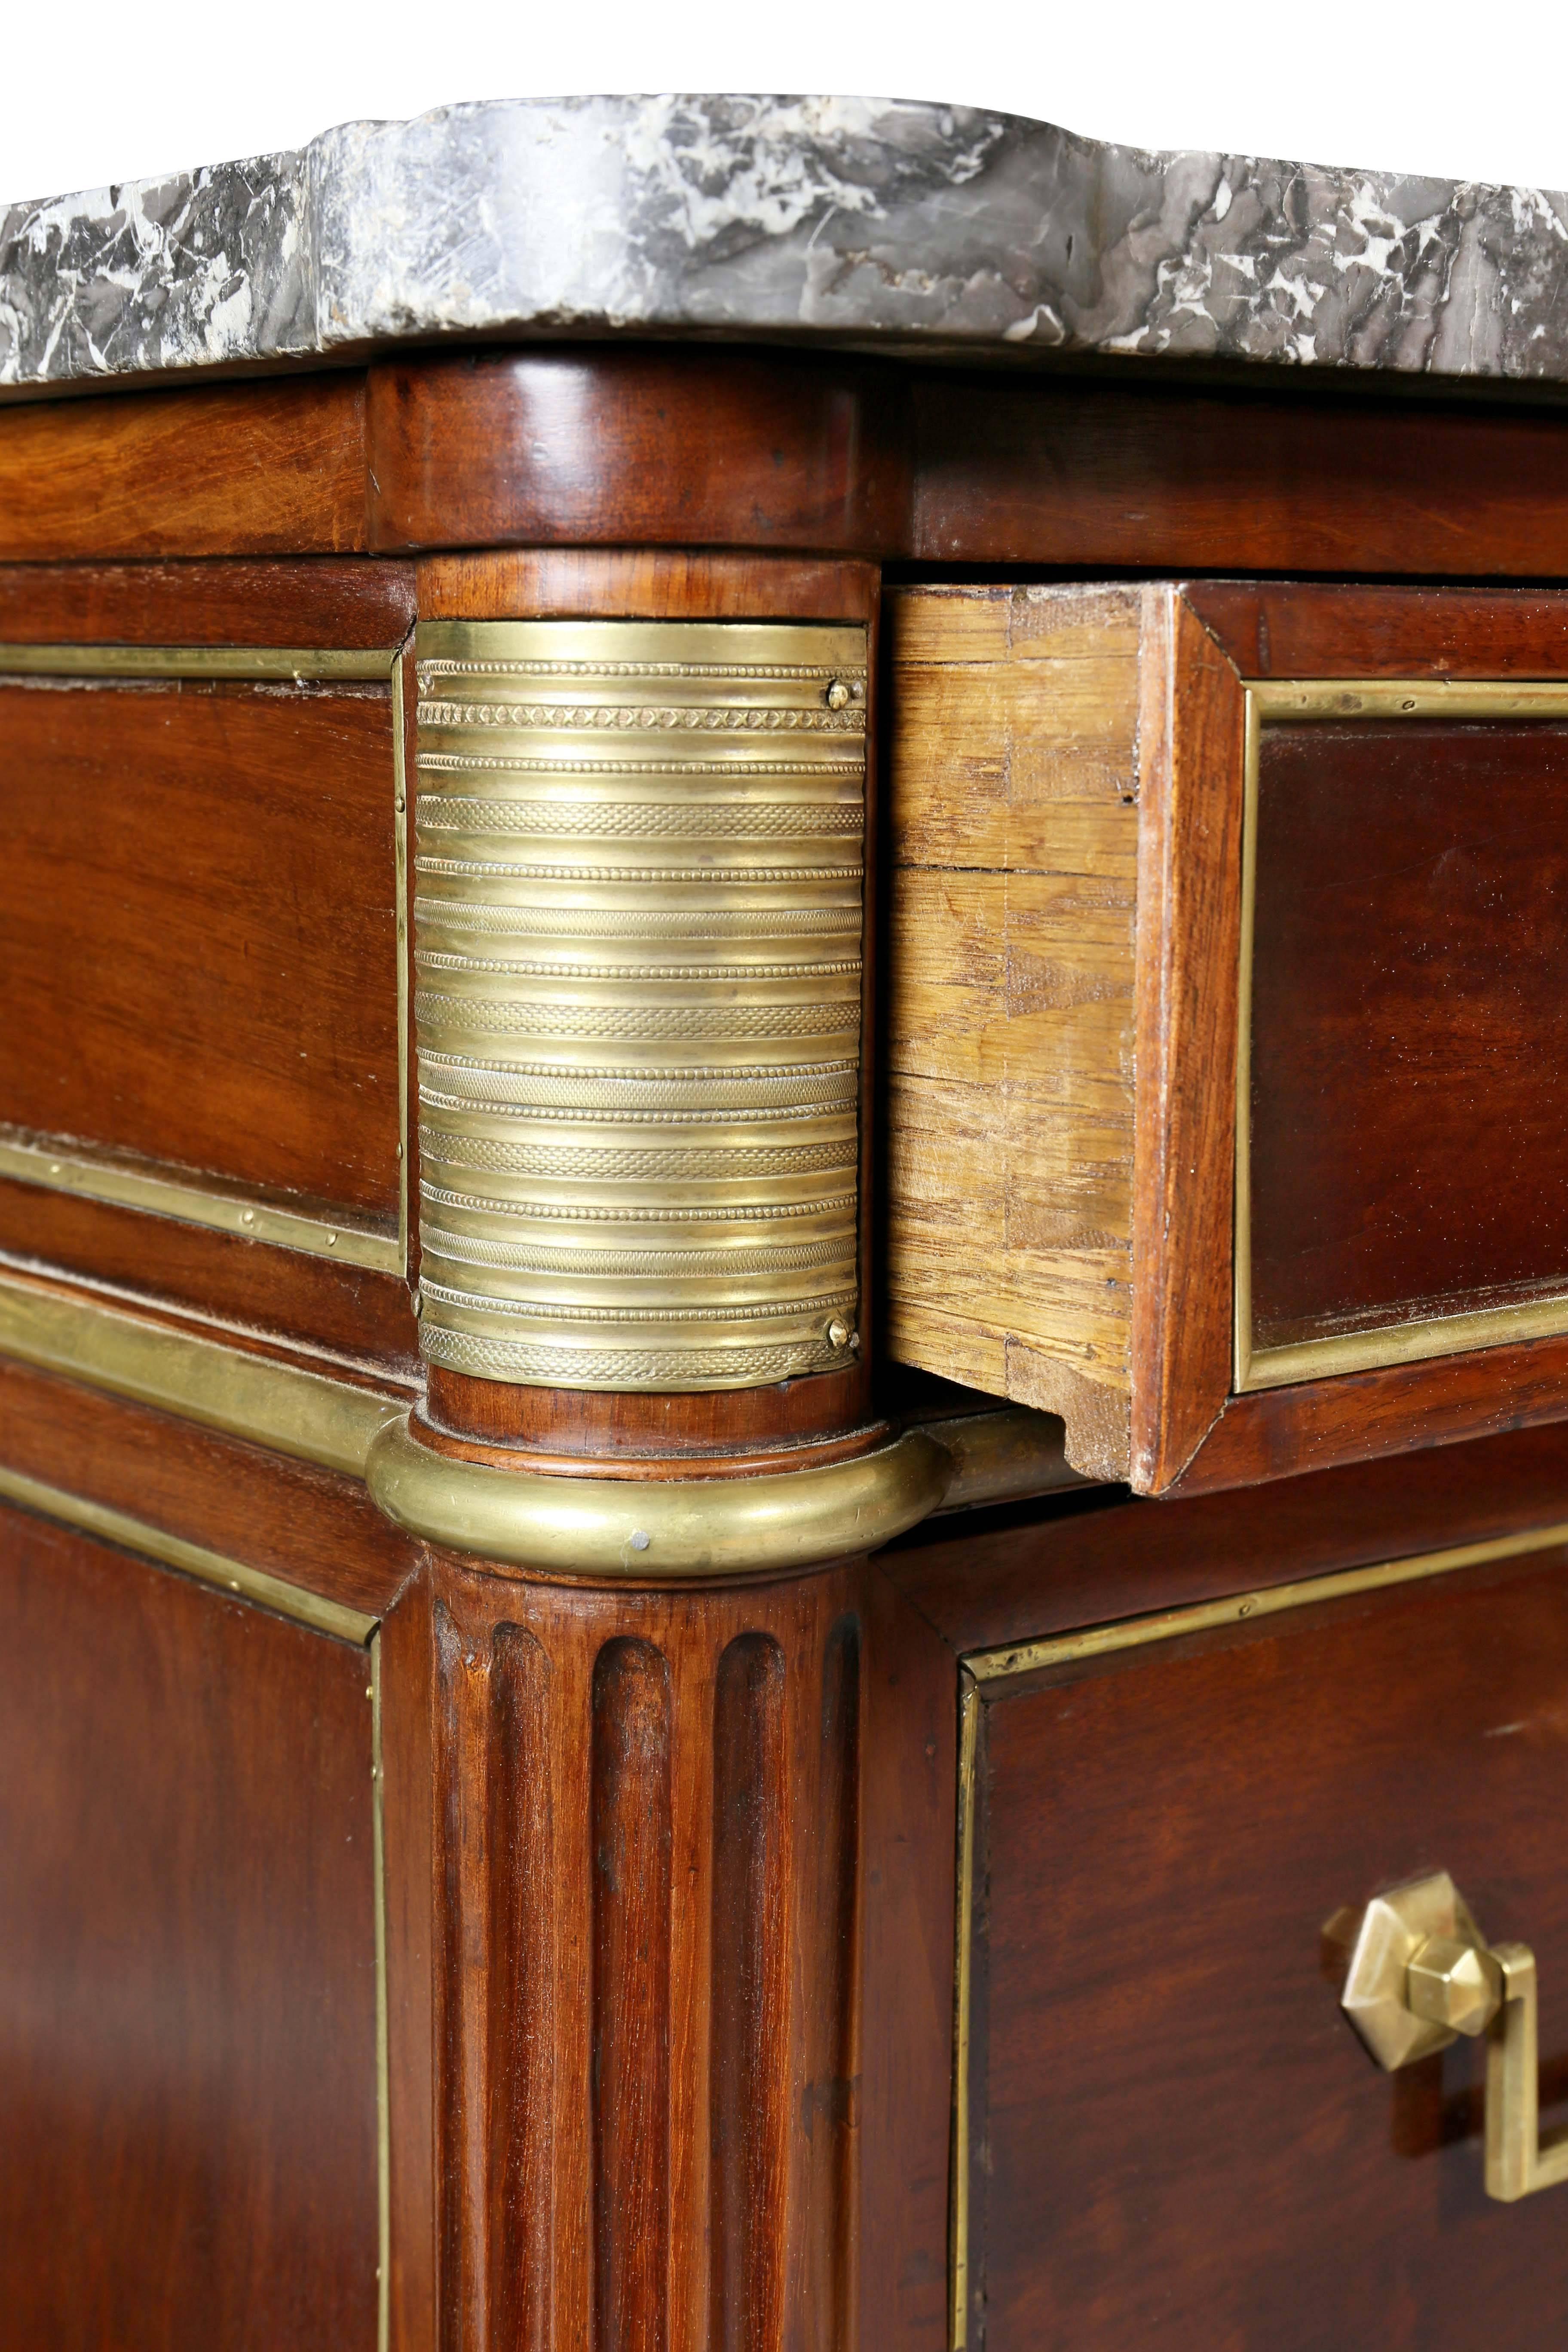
{"type": "Point", "coordinates": [866, 222]}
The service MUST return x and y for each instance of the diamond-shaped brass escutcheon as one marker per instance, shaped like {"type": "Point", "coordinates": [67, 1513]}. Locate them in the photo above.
{"type": "Point", "coordinates": [1402, 2011]}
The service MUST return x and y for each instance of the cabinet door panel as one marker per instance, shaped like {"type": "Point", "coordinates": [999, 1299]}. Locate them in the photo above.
{"type": "Point", "coordinates": [187, 1964]}
{"type": "Point", "coordinates": [1175, 2139]}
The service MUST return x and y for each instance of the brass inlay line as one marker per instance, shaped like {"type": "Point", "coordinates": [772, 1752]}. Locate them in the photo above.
{"type": "Point", "coordinates": [253, 1584]}
{"type": "Point", "coordinates": [983, 1669]}
{"type": "Point", "coordinates": [383, 2013]}
{"type": "Point", "coordinates": [58, 1165]}
{"type": "Point", "coordinates": [27, 1160]}
{"type": "Point", "coordinates": [664, 932]}
{"type": "Point", "coordinates": [958, 2224]}
{"type": "Point", "coordinates": [1414, 1339]}
{"type": "Point", "coordinates": [1239, 1608]}
{"type": "Point", "coordinates": [307, 1415]}
{"type": "Point", "coordinates": [211, 662]}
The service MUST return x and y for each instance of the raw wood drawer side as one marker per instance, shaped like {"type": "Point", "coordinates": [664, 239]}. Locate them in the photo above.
{"type": "Point", "coordinates": [1009, 992]}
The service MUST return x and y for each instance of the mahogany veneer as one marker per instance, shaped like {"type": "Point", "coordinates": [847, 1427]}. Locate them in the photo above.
{"type": "Point", "coordinates": [655, 2048]}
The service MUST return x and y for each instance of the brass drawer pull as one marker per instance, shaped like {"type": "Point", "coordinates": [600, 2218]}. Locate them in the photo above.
{"type": "Point", "coordinates": [1421, 1973]}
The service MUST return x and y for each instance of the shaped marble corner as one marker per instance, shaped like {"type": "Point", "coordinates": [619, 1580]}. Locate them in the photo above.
{"type": "Point", "coordinates": [193, 270]}
{"type": "Point", "coordinates": [843, 221]}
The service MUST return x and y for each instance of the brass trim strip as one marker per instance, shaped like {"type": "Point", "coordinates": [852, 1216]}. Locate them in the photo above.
{"type": "Point", "coordinates": [306, 1414]}
{"type": "Point", "coordinates": [969, 1706]}
{"type": "Point", "coordinates": [1271, 1601]}
{"type": "Point", "coordinates": [352, 1239]}
{"type": "Point", "coordinates": [226, 1209]}
{"type": "Point", "coordinates": [211, 1567]}
{"type": "Point", "coordinates": [383, 2013]}
{"type": "Point", "coordinates": [400, 883]}
{"type": "Point", "coordinates": [978, 1668]}
{"type": "Point", "coordinates": [211, 662]}
{"type": "Point", "coordinates": [1419, 1339]}
{"type": "Point", "coordinates": [1408, 698]}
{"type": "Point", "coordinates": [1416, 1342]}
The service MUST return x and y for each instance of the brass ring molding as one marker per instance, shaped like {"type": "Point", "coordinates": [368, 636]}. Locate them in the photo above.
{"type": "Point", "coordinates": [654, 1530]}
{"type": "Point", "coordinates": [638, 950]}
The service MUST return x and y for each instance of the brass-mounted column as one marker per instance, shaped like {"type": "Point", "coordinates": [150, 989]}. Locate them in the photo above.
{"type": "Point", "coordinates": [638, 946]}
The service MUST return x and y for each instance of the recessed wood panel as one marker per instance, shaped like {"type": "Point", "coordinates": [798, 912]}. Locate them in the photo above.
{"type": "Point", "coordinates": [187, 2058]}
{"type": "Point", "coordinates": [1409, 1066]}
{"type": "Point", "coordinates": [1178, 2141]}
{"type": "Point", "coordinates": [198, 933]}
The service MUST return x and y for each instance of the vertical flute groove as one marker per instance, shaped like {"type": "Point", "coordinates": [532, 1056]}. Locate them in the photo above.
{"type": "Point", "coordinates": [520, 1857]}
{"type": "Point", "coordinates": [749, 2020]}
{"type": "Point", "coordinates": [630, 2060]}
{"type": "Point", "coordinates": [838, 1964]}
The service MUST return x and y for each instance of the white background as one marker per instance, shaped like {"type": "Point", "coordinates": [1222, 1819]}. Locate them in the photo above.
{"type": "Point", "coordinates": [92, 92]}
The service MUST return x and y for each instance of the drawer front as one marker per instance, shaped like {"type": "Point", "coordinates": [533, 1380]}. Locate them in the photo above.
{"type": "Point", "coordinates": [203, 1071]}
{"type": "Point", "coordinates": [1170, 2134]}
{"type": "Point", "coordinates": [1228, 976]}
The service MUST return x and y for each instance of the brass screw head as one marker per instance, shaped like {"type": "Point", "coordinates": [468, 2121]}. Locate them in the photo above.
{"type": "Point", "coordinates": [1454, 1984]}
{"type": "Point", "coordinates": [837, 695]}
{"type": "Point", "coordinates": [839, 1333]}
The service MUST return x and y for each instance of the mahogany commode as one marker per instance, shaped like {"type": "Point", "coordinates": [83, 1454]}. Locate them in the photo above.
{"type": "Point", "coordinates": [783, 1313]}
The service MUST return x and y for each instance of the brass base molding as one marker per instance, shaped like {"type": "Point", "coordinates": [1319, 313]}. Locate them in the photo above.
{"type": "Point", "coordinates": [648, 1531]}
{"type": "Point", "coordinates": [652, 1530]}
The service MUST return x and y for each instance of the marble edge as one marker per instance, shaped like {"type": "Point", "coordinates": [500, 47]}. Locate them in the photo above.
{"type": "Point", "coordinates": [854, 223]}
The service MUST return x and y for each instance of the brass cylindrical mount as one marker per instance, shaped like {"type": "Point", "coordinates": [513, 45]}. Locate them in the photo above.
{"type": "Point", "coordinates": [638, 946]}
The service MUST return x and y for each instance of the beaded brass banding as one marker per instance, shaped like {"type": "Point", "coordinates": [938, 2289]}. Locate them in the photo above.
{"type": "Point", "coordinates": [637, 951]}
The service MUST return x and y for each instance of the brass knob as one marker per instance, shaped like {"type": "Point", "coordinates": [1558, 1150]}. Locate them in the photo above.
{"type": "Point", "coordinates": [1454, 1984]}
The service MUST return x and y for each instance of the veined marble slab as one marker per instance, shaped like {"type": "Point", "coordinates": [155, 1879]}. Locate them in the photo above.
{"type": "Point", "coordinates": [859, 221]}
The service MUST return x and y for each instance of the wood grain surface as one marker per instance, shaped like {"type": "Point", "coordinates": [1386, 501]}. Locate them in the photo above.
{"type": "Point", "coordinates": [694, 447]}
{"type": "Point", "coordinates": [312, 1528]}
{"type": "Point", "coordinates": [645, 583]}
{"type": "Point", "coordinates": [1409, 1092]}
{"type": "Point", "coordinates": [1100, 473]}
{"type": "Point", "coordinates": [636, 446]}
{"type": "Point", "coordinates": [1191, 745]}
{"type": "Point", "coordinates": [997, 1577]}
{"type": "Point", "coordinates": [197, 929]}
{"type": "Point", "coordinates": [1013, 839]}
{"type": "Point", "coordinates": [653, 2088]}
{"type": "Point", "coordinates": [226, 601]}
{"type": "Point", "coordinates": [274, 469]}
{"type": "Point", "coordinates": [1301, 628]}
{"type": "Point", "coordinates": [251, 1286]}
{"type": "Point", "coordinates": [187, 2105]}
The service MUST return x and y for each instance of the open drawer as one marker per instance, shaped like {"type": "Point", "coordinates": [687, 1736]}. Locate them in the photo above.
{"type": "Point", "coordinates": [1226, 1044]}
